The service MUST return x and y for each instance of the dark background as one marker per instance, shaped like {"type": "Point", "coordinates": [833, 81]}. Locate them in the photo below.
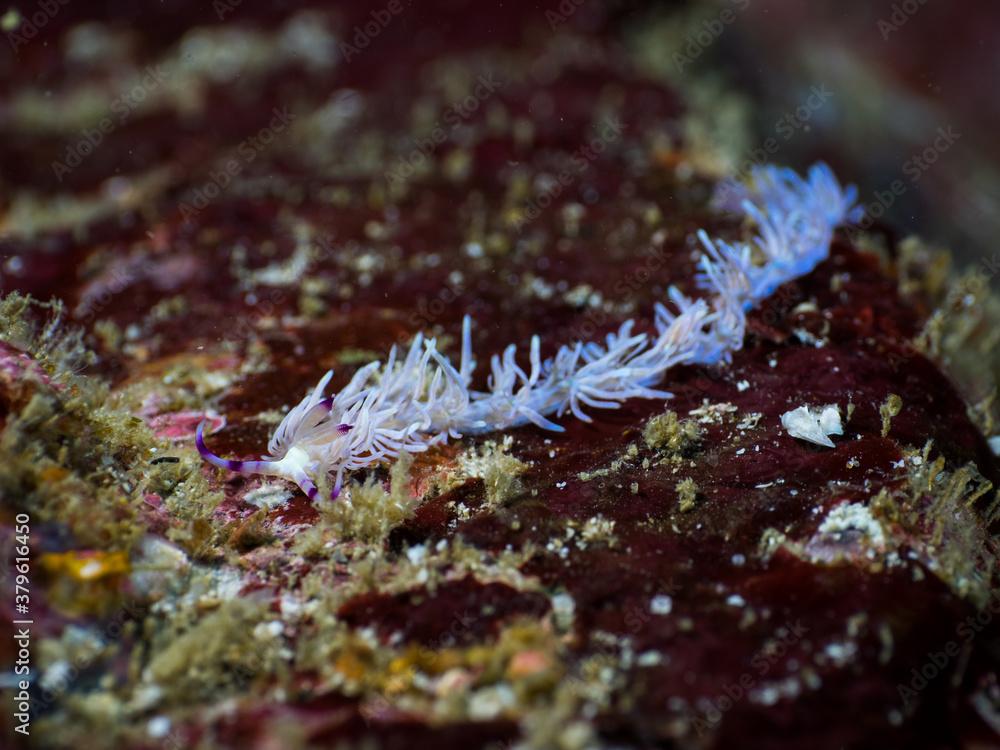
{"type": "Point", "coordinates": [899, 71]}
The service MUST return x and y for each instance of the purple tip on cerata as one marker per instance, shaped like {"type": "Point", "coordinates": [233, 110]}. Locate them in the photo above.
{"type": "Point", "coordinates": [337, 486]}
{"type": "Point", "coordinates": [343, 428]}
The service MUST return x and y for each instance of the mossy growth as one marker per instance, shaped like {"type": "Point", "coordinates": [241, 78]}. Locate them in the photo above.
{"type": "Point", "coordinates": [367, 512]}
{"type": "Point", "coordinates": [220, 652]}
{"type": "Point", "coordinates": [631, 453]}
{"type": "Point", "coordinates": [669, 434]}
{"type": "Point", "coordinates": [311, 543]}
{"type": "Point", "coordinates": [72, 454]}
{"type": "Point", "coordinates": [250, 532]}
{"type": "Point", "coordinates": [889, 409]}
{"type": "Point", "coordinates": [54, 464]}
{"type": "Point", "coordinates": [498, 469]}
{"type": "Point", "coordinates": [687, 494]}
{"type": "Point", "coordinates": [182, 485]}
{"type": "Point", "coordinates": [37, 328]}
{"type": "Point", "coordinates": [526, 662]}
{"type": "Point", "coordinates": [921, 269]}
{"type": "Point", "coordinates": [939, 509]}
{"type": "Point", "coordinates": [963, 335]}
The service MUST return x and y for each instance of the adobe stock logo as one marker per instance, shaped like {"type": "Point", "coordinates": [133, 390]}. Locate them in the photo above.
{"type": "Point", "coordinates": [713, 709]}
{"type": "Point", "coordinates": [936, 663]}
{"type": "Point", "coordinates": [901, 13]}
{"type": "Point", "coordinates": [121, 110]}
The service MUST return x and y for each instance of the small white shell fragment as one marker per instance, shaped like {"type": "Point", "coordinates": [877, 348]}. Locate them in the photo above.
{"type": "Point", "coordinates": [854, 517]}
{"type": "Point", "coordinates": [816, 427]}
{"type": "Point", "coordinates": [269, 495]}
{"type": "Point", "coordinates": [661, 604]}
{"type": "Point", "coordinates": [158, 727]}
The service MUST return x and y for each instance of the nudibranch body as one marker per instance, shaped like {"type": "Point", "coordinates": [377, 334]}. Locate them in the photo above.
{"type": "Point", "coordinates": [413, 403]}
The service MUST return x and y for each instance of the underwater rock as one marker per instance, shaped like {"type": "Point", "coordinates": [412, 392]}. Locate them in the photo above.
{"type": "Point", "coordinates": [304, 188]}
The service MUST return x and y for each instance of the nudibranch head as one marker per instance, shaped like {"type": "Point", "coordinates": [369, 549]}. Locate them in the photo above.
{"type": "Point", "coordinates": [301, 446]}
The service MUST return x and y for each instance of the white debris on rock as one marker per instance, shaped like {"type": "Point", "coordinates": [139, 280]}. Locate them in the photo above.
{"type": "Point", "coordinates": [158, 727]}
{"type": "Point", "coordinates": [815, 426]}
{"type": "Point", "coordinates": [661, 604]}
{"type": "Point", "coordinates": [155, 564]}
{"type": "Point", "coordinates": [57, 676]}
{"type": "Point", "coordinates": [709, 413]}
{"type": "Point", "coordinates": [995, 444]}
{"type": "Point", "coordinates": [563, 607]}
{"type": "Point", "coordinates": [855, 517]}
{"type": "Point", "coordinates": [268, 496]}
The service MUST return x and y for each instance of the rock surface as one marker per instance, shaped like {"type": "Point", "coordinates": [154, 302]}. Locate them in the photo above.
{"type": "Point", "coordinates": [286, 191]}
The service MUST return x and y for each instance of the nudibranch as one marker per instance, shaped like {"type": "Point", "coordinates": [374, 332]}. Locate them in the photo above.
{"type": "Point", "coordinates": [413, 402]}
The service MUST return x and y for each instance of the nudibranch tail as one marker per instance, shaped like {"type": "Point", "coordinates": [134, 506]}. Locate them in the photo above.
{"type": "Point", "coordinates": [243, 467]}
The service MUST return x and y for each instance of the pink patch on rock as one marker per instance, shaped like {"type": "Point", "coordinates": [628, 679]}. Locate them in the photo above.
{"type": "Point", "coordinates": [154, 513]}
{"type": "Point", "coordinates": [180, 426]}
{"type": "Point", "coordinates": [16, 366]}
{"type": "Point", "coordinates": [20, 378]}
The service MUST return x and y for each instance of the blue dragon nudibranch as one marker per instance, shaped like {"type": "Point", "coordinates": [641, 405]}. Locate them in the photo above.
{"type": "Point", "coordinates": [417, 401]}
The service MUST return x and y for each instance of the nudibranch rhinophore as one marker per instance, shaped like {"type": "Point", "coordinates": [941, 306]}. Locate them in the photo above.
{"type": "Point", "coordinates": [417, 401]}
